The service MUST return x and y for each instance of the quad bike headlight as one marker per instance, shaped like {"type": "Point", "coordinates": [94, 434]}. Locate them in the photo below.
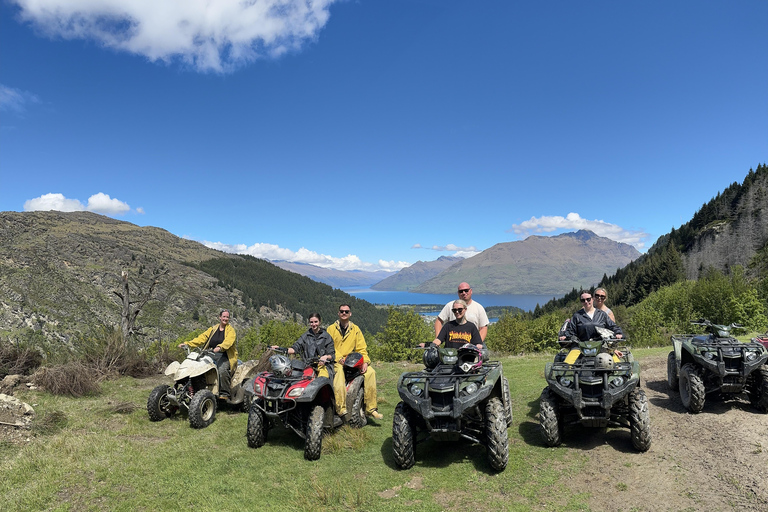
{"type": "Point", "coordinates": [416, 390]}
{"type": "Point", "coordinates": [256, 388]}
{"type": "Point", "coordinates": [565, 381]}
{"type": "Point", "coordinates": [589, 352]}
{"type": "Point", "coordinates": [471, 388]}
{"type": "Point", "coordinates": [617, 382]}
{"type": "Point", "coordinates": [750, 356]}
{"type": "Point", "coordinates": [295, 392]}
{"type": "Point", "coordinates": [710, 355]}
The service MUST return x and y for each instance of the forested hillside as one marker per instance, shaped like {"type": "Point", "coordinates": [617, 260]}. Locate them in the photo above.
{"type": "Point", "coordinates": [265, 285]}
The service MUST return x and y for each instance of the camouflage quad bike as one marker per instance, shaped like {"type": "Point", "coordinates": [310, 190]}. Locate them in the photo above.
{"type": "Point", "coordinates": [594, 383]}
{"type": "Point", "coordinates": [458, 395]}
{"type": "Point", "coordinates": [717, 362]}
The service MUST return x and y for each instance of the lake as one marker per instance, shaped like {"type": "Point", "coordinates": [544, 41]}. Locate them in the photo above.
{"type": "Point", "coordinates": [525, 302]}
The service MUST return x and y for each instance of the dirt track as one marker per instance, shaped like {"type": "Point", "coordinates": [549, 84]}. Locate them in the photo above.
{"type": "Point", "coordinates": [714, 460]}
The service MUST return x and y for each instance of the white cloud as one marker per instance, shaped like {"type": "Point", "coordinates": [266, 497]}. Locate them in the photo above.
{"type": "Point", "coordinates": [273, 252]}
{"type": "Point", "coordinates": [102, 203]}
{"type": "Point", "coordinates": [463, 252]}
{"type": "Point", "coordinates": [14, 100]}
{"type": "Point", "coordinates": [97, 203]}
{"type": "Point", "coordinates": [548, 224]}
{"type": "Point", "coordinates": [210, 36]}
{"type": "Point", "coordinates": [53, 202]}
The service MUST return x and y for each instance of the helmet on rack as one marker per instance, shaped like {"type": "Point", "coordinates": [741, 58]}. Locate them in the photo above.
{"type": "Point", "coordinates": [469, 358]}
{"type": "Point", "coordinates": [604, 361]}
{"type": "Point", "coordinates": [281, 365]}
{"type": "Point", "coordinates": [431, 357]}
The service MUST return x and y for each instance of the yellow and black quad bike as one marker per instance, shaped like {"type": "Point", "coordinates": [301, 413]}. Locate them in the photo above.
{"type": "Point", "coordinates": [595, 383]}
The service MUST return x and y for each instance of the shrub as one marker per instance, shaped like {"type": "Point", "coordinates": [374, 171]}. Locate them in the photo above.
{"type": "Point", "coordinates": [404, 330]}
{"type": "Point", "coordinates": [73, 379]}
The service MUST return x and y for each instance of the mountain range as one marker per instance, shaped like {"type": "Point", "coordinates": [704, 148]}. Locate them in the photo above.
{"type": "Point", "coordinates": [537, 265]}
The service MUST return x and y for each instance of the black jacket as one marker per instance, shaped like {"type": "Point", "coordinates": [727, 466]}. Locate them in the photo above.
{"type": "Point", "coordinates": [583, 327]}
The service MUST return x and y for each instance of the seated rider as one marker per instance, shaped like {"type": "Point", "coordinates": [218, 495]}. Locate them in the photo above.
{"type": "Point", "coordinates": [316, 342]}
{"type": "Point", "coordinates": [459, 331]}
{"type": "Point", "coordinates": [221, 339]}
{"type": "Point", "coordinates": [584, 322]}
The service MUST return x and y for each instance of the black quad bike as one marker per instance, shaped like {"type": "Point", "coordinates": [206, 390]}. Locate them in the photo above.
{"type": "Point", "coordinates": [717, 362]}
{"type": "Point", "coordinates": [595, 383]}
{"type": "Point", "coordinates": [291, 393]}
{"type": "Point", "coordinates": [458, 395]}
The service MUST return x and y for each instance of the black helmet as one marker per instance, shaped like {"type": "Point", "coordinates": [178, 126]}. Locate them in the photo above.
{"type": "Point", "coordinates": [431, 357]}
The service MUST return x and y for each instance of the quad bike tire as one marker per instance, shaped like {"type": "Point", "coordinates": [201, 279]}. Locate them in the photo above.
{"type": "Point", "coordinates": [159, 406]}
{"type": "Point", "coordinates": [639, 420]}
{"type": "Point", "coordinates": [673, 379]}
{"type": "Point", "coordinates": [692, 391]}
{"type": "Point", "coordinates": [202, 409]}
{"type": "Point", "coordinates": [507, 401]}
{"type": "Point", "coordinates": [403, 434]}
{"type": "Point", "coordinates": [356, 404]}
{"type": "Point", "coordinates": [256, 431]}
{"type": "Point", "coordinates": [313, 444]}
{"type": "Point", "coordinates": [551, 426]}
{"type": "Point", "coordinates": [758, 389]}
{"type": "Point", "coordinates": [496, 433]}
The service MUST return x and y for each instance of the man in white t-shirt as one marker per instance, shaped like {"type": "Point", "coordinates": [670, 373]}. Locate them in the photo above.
{"type": "Point", "coordinates": [475, 312]}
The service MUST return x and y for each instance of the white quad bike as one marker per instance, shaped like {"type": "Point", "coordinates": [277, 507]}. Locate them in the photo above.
{"type": "Point", "coordinates": [195, 389]}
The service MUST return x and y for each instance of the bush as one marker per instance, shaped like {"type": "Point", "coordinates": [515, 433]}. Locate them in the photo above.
{"type": "Point", "coordinates": [73, 379]}
{"type": "Point", "coordinates": [18, 360]}
{"type": "Point", "coordinates": [404, 330]}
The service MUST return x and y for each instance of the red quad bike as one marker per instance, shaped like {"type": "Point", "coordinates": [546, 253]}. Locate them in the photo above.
{"type": "Point", "coordinates": [291, 394]}
{"type": "Point", "coordinates": [353, 375]}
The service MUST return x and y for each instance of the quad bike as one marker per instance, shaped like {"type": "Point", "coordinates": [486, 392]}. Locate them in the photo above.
{"type": "Point", "coordinates": [291, 393]}
{"type": "Point", "coordinates": [353, 376]}
{"type": "Point", "coordinates": [762, 339]}
{"type": "Point", "coordinates": [717, 362]}
{"type": "Point", "coordinates": [458, 395]}
{"type": "Point", "coordinates": [594, 383]}
{"type": "Point", "coordinates": [195, 389]}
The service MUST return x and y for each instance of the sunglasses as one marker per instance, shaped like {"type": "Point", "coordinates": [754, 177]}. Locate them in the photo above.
{"type": "Point", "coordinates": [344, 311]}
{"type": "Point", "coordinates": [465, 290]}
{"type": "Point", "coordinates": [599, 296]}
{"type": "Point", "coordinates": [586, 300]}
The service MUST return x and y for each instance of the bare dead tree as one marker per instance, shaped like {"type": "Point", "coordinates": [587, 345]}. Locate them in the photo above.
{"type": "Point", "coordinates": [132, 308]}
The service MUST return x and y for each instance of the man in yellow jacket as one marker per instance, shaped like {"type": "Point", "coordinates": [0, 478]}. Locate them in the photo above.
{"type": "Point", "coordinates": [221, 339]}
{"type": "Point", "coordinates": [348, 338]}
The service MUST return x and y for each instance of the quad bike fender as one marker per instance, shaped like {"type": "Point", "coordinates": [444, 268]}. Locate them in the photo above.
{"type": "Point", "coordinates": [195, 369]}
{"type": "Point", "coordinates": [244, 371]}
{"type": "Point", "coordinates": [320, 389]}
{"type": "Point", "coordinates": [172, 368]}
{"type": "Point", "coordinates": [573, 355]}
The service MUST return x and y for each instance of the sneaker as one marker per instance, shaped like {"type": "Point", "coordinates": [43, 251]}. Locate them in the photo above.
{"type": "Point", "coordinates": [375, 414]}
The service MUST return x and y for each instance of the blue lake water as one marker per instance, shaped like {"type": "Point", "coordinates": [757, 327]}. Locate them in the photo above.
{"type": "Point", "coordinates": [525, 302]}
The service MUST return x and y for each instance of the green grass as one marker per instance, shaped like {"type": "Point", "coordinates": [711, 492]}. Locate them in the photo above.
{"type": "Point", "coordinates": [94, 453]}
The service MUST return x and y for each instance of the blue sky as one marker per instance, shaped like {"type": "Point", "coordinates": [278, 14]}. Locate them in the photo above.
{"type": "Point", "coordinates": [371, 134]}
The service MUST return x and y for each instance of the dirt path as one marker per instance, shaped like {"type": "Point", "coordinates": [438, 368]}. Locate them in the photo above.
{"type": "Point", "coordinates": [714, 460]}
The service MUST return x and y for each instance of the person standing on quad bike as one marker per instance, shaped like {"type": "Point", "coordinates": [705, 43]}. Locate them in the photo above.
{"type": "Point", "coordinates": [221, 339]}
{"type": "Point", "coordinates": [584, 321]}
{"type": "Point", "coordinates": [475, 312]}
{"type": "Point", "coordinates": [459, 331]}
{"type": "Point", "coordinates": [599, 300]}
{"type": "Point", "coordinates": [316, 342]}
{"type": "Point", "coordinates": [348, 338]}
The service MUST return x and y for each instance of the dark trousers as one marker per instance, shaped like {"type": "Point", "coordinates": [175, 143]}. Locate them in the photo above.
{"type": "Point", "coordinates": [222, 363]}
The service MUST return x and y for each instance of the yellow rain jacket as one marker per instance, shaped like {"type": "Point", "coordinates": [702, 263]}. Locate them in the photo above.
{"type": "Point", "coordinates": [228, 344]}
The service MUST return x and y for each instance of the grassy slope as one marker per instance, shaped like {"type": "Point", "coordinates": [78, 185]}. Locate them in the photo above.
{"type": "Point", "coordinates": [103, 460]}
